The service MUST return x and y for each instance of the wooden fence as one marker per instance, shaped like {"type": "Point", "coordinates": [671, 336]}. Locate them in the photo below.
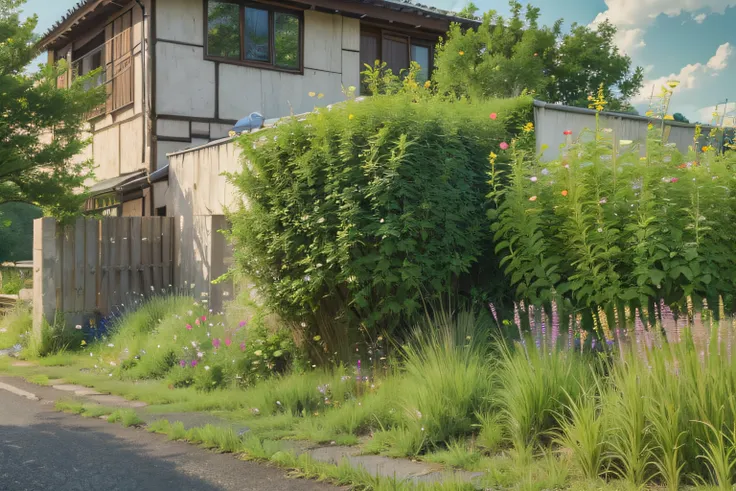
{"type": "Point", "coordinates": [92, 267]}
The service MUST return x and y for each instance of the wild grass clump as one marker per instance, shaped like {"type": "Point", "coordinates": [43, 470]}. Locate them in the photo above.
{"type": "Point", "coordinates": [15, 328]}
{"type": "Point", "coordinates": [126, 417]}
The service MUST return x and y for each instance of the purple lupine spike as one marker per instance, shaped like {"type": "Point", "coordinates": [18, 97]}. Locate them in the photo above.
{"type": "Point", "coordinates": [570, 332]}
{"type": "Point", "coordinates": [493, 311]}
{"type": "Point", "coordinates": [555, 323]}
{"type": "Point", "coordinates": [517, 316]}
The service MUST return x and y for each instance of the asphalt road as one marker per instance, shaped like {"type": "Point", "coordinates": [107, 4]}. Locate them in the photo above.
{"type": "Point", "coordinates": [41, 449]}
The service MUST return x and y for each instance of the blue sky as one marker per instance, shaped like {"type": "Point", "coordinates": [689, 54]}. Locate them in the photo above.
{"type": "Point", "coordinates": [690, 40]}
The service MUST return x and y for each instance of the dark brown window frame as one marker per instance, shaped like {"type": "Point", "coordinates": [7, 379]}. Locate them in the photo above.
{"type": "Point", "coordinates": [271, 9]}
{"type": "Point", "coordinates": [413, 38]}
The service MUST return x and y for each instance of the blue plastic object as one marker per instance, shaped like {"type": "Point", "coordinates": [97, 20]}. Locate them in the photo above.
{"type": "Point", "coordinates": [251, 122]}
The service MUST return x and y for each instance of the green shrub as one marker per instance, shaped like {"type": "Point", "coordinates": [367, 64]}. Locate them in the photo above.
{"type": "Point", "coordinates": [357, 213]}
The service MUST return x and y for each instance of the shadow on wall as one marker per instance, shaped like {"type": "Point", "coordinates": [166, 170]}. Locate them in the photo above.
{"type": "Point", "coordinates": [16, 231]}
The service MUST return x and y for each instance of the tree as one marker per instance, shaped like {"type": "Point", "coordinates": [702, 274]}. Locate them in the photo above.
{"type": "Point", "coordinates": [41, 126]}
{"type": "Point", "coordinates": [679, 117]}
{"type": "Point", "coordinates": [468, 12]}
{"type": "Point", "coordinates": [504, 57]}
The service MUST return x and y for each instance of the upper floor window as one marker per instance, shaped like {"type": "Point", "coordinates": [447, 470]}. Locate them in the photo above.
{"type": "Point", "coordinates": [254, 34]}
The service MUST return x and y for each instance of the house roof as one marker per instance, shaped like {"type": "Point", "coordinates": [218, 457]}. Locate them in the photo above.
{"type": "Point", "coordinates": [90, 11]}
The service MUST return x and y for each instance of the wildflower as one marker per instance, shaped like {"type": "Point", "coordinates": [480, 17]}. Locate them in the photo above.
{"type": "Point", "coordinates": [493, 156]}
{"type": "Point", "coordinates": [317, 338]}
{"type": "Point", "coordinates": [200, 354]}
{"type": "Point", "coordinates": [532, 198]}
{"type": "Point", "coordinates": [493, 116]}
{"type": "Point", "coordinates": [674, 179]}
{"type": "Point", "coordinates": [194, 363]}
{"type": "Point", "coordinates": [536, 54]}
{"type": "Point", "coordinates": [255, 410]}
{"type": "Point", "coordinates": [381, 220]}
{"type": "Point", "coordinates": [603, 201]}
{"type": "Point", "coordinates": [312, 94]}
{"type": "Point", "coordinates": [419, 415]}
{"type": "Point", "coordinates": [216, 343]}
{"type": "Point", "coordinates": [528, 128]}
{"type": "Point", "coordinates": [258, 352]}
{"type": "Point", "coordinates": [533, 178]}
{"type": "Point", "coordinates": [110, 345]}
{"type": "Point", "coordinates": [196, 322]}
{"type": "Point", "coordinates": [78, 327]}
{"type": "Point", "coordinates": [278, 403]}
{"type": "Point", "coordinates": [204, 318]}
{"type": "Point", "coordinates": [504, 146]}
{"type": "Point", "coordinates": [600, 230]}
{"type": "Point", "coordinates": [84, 343]}
{"type": "Point", "coordinates": [564, 192]}
{"type": "Point", "coordinates": [625, 142]}
{"type": "Point", "coordinates": [351, 116]}
{"type": "Point", "coordinates": [705, 148]}
{"type": "Point", "coordinates": [320, 95]}
{"type": "Point", "coordinates": [207, 368]}
{"type": "Point", "coordinates": [545, 172]}
{"type": "Point", "coordinates": [427, 84]}
{"type": "Point", "coordinates": [650, 126]}
{"type": "Point", "coordinates": [461, 52]}
{"type": "Point", "coordinates": [242, 324]}
{"type": "Point", "coordinates": [567, 132]}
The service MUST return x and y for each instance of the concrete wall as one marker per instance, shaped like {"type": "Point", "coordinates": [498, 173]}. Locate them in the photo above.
{"type": "Point", "coordinates": [551, 120]}
{"type": "Point", "coordinates": [210, 96]}
{"type": "Point", "coordinates": [198, 195]}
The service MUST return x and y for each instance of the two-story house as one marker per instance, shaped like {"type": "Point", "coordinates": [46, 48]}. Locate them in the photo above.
{"type": "Point", "coordinates": [180, 73]}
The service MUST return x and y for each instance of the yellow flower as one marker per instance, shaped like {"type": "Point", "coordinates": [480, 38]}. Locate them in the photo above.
{"type": "Point", "coordinates": [706, 148]}
{"type": "Point", "coordinates": [461, 52]}
{"type": "Point", "coordinates": [320, 95]}
{"type": "Point", "coordinates": [650, 126]}
{"type": "Point", "coordinates": [231, 134]}
{"type": "Point", "coordinates": [544, 146]}
{"type": "Point", "coordinates": [673, 83]}
{"type": "Point", "coordinates": [493, 156]}
{"type": "Point", "coordinates": [258, 353]}
{"type": "Point", "coordinates": [84, 343]}
{"type": "Point", "coordinates": [528, 128]}
{"type": "Point", "coordinates": [312, 94]}
{"type": "Point", "coordinates": [351, 116]}
{"type": "Point", "coordinates": [427, 84]}
{"type": "Point", "coordinates": [643, 159]}
{"type": "Point", "coordinates": [669, 117]}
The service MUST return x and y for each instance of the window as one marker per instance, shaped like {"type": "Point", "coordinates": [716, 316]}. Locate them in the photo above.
{"type": "Point", "coordinates": [254, 34]}
{"type": "Point", "coordinates": [396, 50]}
{"type": "Point", "coordinates": [420, 54]}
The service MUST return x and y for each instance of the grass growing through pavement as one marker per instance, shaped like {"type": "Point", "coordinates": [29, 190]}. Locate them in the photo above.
{"type": "Point", "coordinates": [126, 417]}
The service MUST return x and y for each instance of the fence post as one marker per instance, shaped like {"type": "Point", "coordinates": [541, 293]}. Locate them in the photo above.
{"type": "Point", "coordinates": [47, 285]}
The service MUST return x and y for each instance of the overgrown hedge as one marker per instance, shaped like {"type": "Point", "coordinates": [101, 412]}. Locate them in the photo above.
{"type": "Point", "coordinates": [359, 214]}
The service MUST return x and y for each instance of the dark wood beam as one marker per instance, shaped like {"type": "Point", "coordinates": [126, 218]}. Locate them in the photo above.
{"type": "Point", "coordinates": [408, 15]}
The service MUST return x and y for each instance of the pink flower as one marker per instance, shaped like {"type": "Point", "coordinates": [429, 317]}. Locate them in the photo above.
{"type": "Point", "coordinates": [189, 327]}
{"type": "Point", "coordinates": [674, 179]}
{"type": "Point", "coordinates": [242, 324]}
{"type": "Point", "coordinates": [494, 116]}
{"type": "Point", "coordinates": [197, 322]}
{"type": "Point", "coordinates": [567, 132]}
{"type": "Point", "coordinates": [242, 346]}
{"type": "Point", "coordinates": [504, 146]}
{"type": "Point", "coordinates": [204, 318]}
{"type": "Point", "coordinates": [182, 363]}
{"type": "Point", "coordinates": [216, 343]}
{"type": "Point", "coordinates": [194, 363]}
{"type": "Point", "coordinates": [228, 342]}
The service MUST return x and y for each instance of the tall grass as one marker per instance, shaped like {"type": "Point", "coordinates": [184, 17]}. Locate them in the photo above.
{"type": "Point", "coordinates": [15, 327]}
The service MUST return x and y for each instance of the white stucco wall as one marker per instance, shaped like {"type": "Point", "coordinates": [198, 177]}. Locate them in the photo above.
{"type": "Point", "coordinates": [212, 95]}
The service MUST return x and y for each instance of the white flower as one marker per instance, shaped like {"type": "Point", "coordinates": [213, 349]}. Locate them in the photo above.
{"type": "Point", "coordinates": [110, 345]}
{"type": "Point", "coordinates": [278, 403]}
{"type": "Point", "coordinates": [200, 354]}
{"type": "Point", "coordinates": [78, 327]}
{"type": "Point", "coordinates": [194, 344]}
{"type": "Point", "coordinates": [113, 364]}
{"type": "Point", "coordinates": [625, 142]}
{"type": "Point", "coordinates": [382, 220]}
{"type": "Point", "coordinates": [206, 367]}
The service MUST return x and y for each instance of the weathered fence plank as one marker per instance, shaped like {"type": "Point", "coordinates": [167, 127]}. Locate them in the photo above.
{"type": "Point", "coordinates": [146, 254]}
{"type": "Point", "coordinates": [103, 281]}
{"type": "Point", "coordinates": [156, 260]}
{"type": "Point", "coordinates": [124, 260]}
{"type": "Point", "coordinates": [135, 257]}
{"type": "Point", "coordinates": [92, 258]}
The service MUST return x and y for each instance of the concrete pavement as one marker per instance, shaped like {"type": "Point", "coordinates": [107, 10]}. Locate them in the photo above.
{"type": "Point", "coordinates": [41, 449]}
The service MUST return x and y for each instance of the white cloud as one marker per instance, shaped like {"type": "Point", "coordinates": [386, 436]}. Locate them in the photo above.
{"type": "Point", "coordinates": [705, 114]}
{"type": "Point", "coordinates": [700, 18]}
{"type": "Point", "coordinates": [633, 17]}
{"type": "Point", "coordinates": [719, 61]}
{"type": "Point", "coordinates": [689, 76]}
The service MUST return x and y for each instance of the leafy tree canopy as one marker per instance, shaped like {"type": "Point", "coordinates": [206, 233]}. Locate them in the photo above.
{"type": "Point", "coordinates": [40, 124]}
{"type": "Point", "coordinates": [505, 57]}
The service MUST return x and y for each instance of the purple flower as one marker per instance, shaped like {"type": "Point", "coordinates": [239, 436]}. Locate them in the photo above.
{"type": "Point", "coordinates": [493, 311]}
{"type": "Point", "coordinates": [517, 316]}
{"type": "Point", "coordinates": [228, 342]}
{"type": "Point", "coordinates": [182, 363]}
{"type": "Point", "coordinates": [242, 324]}
{"type": "Point", "coordinates": [194, 363]}
{"type": "Point", "coordinates": [555, 323]}
{"type": "Point", "coordinates": [242, 346]}
{"type": "Point", "coordinates": [216, 343]}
